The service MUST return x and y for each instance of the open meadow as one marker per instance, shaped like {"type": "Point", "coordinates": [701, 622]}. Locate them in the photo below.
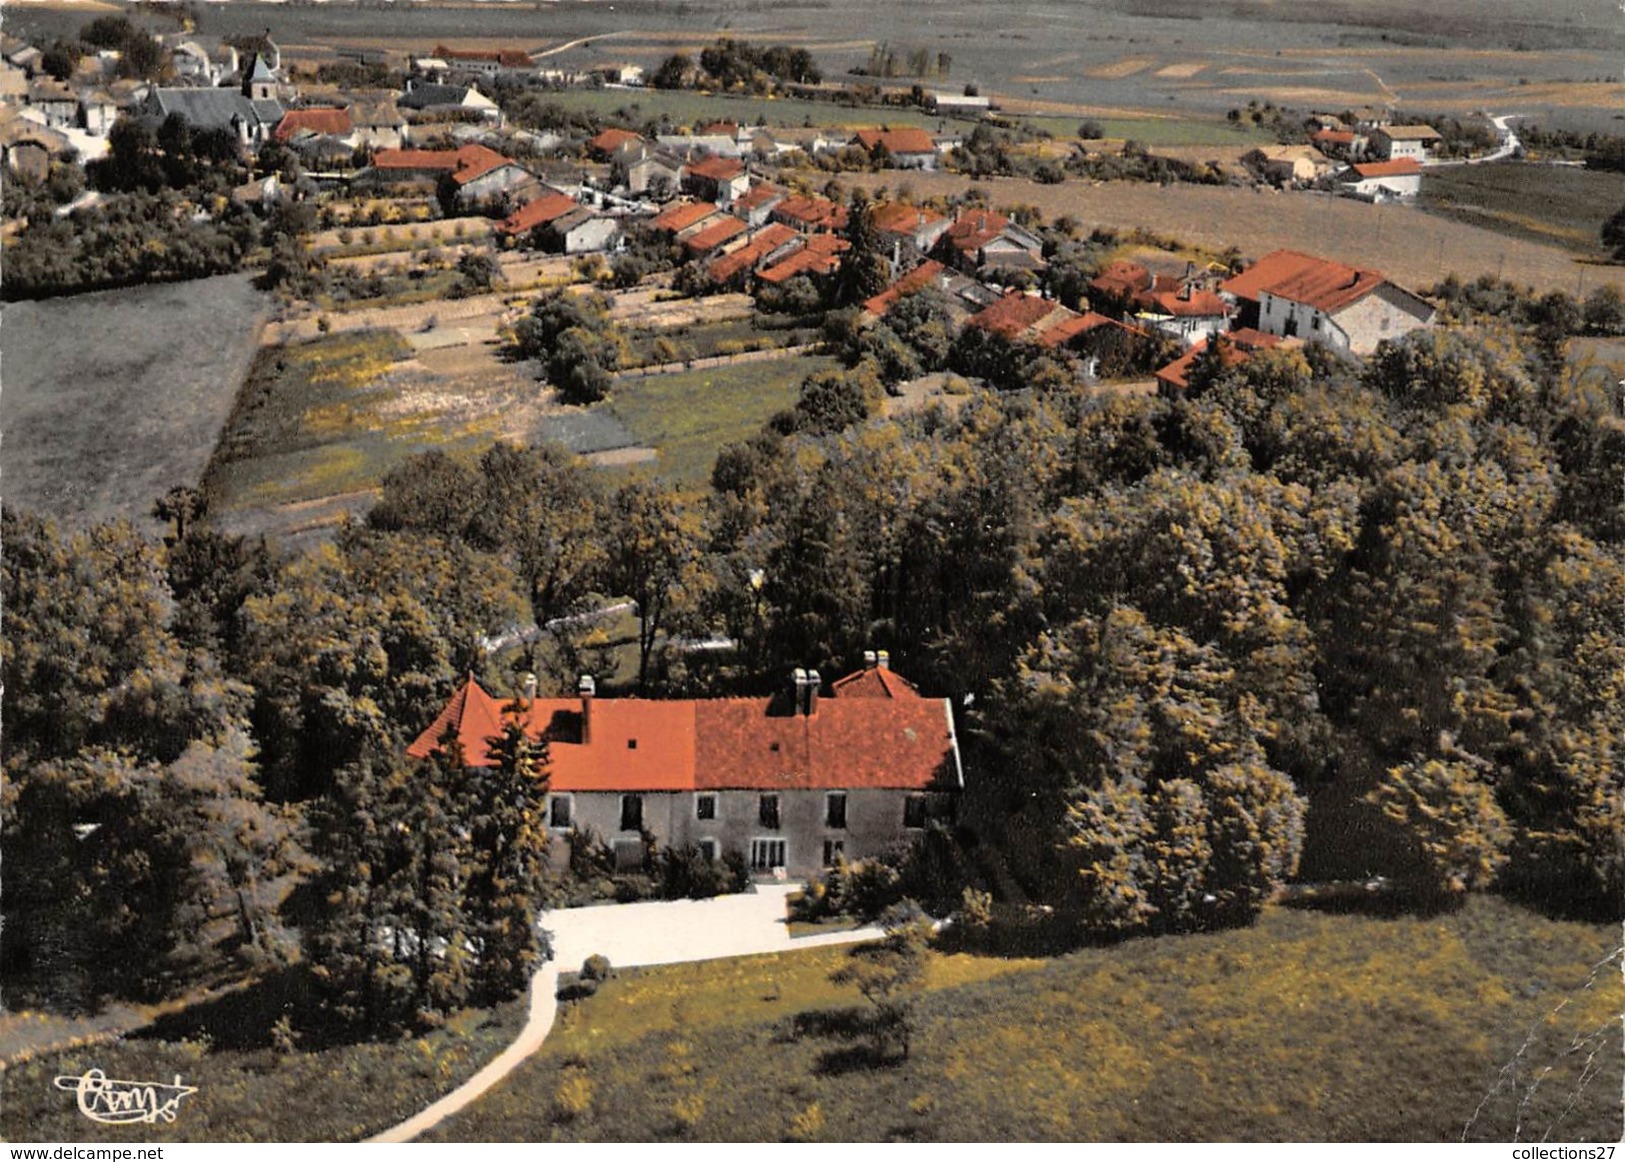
{"type": "Point", "coordinates": [113, 398]}
{"type": "Point", "coordinates": [1307, 1027]}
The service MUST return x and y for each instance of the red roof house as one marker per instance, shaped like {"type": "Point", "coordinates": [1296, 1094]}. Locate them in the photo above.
{"type": "Point", "coordinates": [312, 122]}
{"type": "Point", "coordinates": [794, 781]}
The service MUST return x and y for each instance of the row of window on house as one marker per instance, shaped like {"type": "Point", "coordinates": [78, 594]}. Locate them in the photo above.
{"type": "Point", "coordinates": [561, 811]}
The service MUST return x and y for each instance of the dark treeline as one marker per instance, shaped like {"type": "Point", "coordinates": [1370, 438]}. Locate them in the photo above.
{"type": "Point", "coordinates": [1311, 621]}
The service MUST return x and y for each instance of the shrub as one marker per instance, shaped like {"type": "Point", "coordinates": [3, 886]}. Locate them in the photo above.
{"type": "Point", "coordinates": [597, 968]}
{"type": "Point", "coordinates": [573, 1097]}
{"type": "Point", "coordinates": [807, 1125]}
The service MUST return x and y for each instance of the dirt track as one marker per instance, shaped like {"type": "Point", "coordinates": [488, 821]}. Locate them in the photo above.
{"type": "Point", "coordinates": [1413, 248]}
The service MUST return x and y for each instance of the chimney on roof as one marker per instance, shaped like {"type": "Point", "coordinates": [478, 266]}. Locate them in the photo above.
{"type": "Point", "coordinates": [527, 687]}
{"type": "Point", "coordinates": [809, 705]}
{"type": "Point", "coordinates": [883, 659]}
{"type": "Point", "coordinates": [869, 659]}
{"type": "Point", "coordinates": [586, 688]}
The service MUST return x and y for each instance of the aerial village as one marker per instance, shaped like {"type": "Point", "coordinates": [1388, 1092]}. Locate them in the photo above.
{"type": "Point", "coordinates": [773, 629]}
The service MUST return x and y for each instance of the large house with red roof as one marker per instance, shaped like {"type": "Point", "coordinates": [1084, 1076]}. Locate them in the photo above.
{"type": "Point", "coordinates": [906, 148]}
{"type": "Point", "coordinates": [1348, 309]}
{"type": "Point", "coordinates": [796, 781]}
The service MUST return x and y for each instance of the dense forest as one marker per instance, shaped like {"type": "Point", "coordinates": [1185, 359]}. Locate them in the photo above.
{"type": "Point", "coordinates": [1311, 621]}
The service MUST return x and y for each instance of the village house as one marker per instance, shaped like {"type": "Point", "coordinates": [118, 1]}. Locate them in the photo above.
{"type": "Point", "coordinates": [1341, 143]}
{"type": "Point", "coordinates": [1022, 318]}
{"type": "Point", "coordinates": [1183, 310]}
{"type": "Point", "coordinates": [793, 783]}
{"type": "Point", "coordinates": [1382, 180]}
{"type": "Point", "coordinates": [484, 62]}
{"type": "Point", "coordinates": [1292, 294]}
{"type": "Point", "coordinates": [98, 110]}
{"type": "Point", "coordinates": [478, 173]}
{"type": "Point", "coordinates": [961, 105]}
{"type": "Point", "coordinates": [1289, 164]}
{"type": "Point", "coordinates": [716, 179]}
{"type": "Point", "coordinates": [811, 215]}
{"type": "Point", "coordinates": [526, 223]}
{"type": "Point", "coordinates": [377, 124]}
{"type": "Point", "coordinates": [302, 127]}
{"type": "Point", "coordinates": [686, 219]}
{"type": "Point", "coordinates": [756, 204]}
{"type": "Point", "coordinates": [765, 247]}
{"type": "Point", "coordinates": [463, 101]}
{"type": "Point", "coordinates": [55, 103]}
{"type": "Point", "coordinates": [906, 148]}
{"type": "Point", "coordinates": [603, 146]}
{"type": "Point", "coordinates": [965, 296]}
{"type": "Point", "coordinates": [714, 236]}
{"type": "Point", "coordinates": [908, 232]}
{"type": "Point", "coordinates": [648, 171]}
{"type": "Point", "coordinates": [1393, 142]}
{"type": "Point", "coordinates": [1232, 349]}
{"type": "Point", "coordinates": [582, 230]}
{"type": "Point", "coordinates": [818, 258]}
{"type": "Point", "coordinates": [982, 242]}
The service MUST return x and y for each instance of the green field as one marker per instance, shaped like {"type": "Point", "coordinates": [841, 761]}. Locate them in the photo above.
{"type": "Point", "coordinates": [248, 1090]}
{"type": "Point", "coordinates": [1560, 205]}
{"type": "Point", "coordinates": [1307, 1027]}
{"type": "Point", "coordinates": [689, 416]}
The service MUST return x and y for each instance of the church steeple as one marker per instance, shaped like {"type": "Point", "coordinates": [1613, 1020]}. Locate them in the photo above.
{"type": "Point", "coordinates": [260, 81]}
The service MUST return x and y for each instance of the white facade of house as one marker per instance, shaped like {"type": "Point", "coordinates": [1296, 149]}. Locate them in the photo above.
{"type": "Point", "coordinates": [1388, 312]}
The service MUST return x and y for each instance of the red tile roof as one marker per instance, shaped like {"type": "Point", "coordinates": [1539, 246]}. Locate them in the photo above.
{"type": "Point", "coordinates": [680, 217]}
{"type": "Point", "coordinates": [901, 218]}
{"type": "Point", "coordinates": [764, 243]}
{"type": "Point", "coordinates": [812, 213]}
{"type": "Point", "coordinates": [1403, 167]}
{"type": "Point", "coordinates": [974, 229]}
{"type": "Point", "coordinates": [760, 194]}
{"type": "Point", "coordinates": [715, 235]}
{"type": "Point", "coordinates": [1235, 348]}
{"type": "Point", "coordinates": [920, 277]}
{"type": "Point", "coordinates": [716, 169]}
{"type": "Point", "coordinates": [909, 139]}
{"type": "Point", "coordinates": [612, 139]}
{"type": "Point", "coordinates": [821, 255]}
{"type": "Point", "coordinates": [1303, 278]}
{"type": "Point", "coordinates": [465, 164]}
{"type": "Point", "coordinates": [874, 682]}
{"type": "Point", "coordinates": [1197, 305]}
{"type": "Point", "coordinates": [323, 122]}
{"type": "Point", "coordinates": [718, 129]}
{"type": "Point", "coordinates": [1122, 279]}
{"type": "Point", "coordinates": [1344, 137]}
{"type": "Point", "coordinates": [537, 213]}
{"type": "Point", "coordinates": [636, 744]}
{"type": "Point", "coordinates": [1015, 314]}
{"type": "Point", "coordinates": [1068, 329]}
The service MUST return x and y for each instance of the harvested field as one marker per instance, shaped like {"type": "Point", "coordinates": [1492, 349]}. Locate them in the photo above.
{"type": "Point", "coordinates": [1117, 70]}
{"type": "Point", "coordinates": [1413, 247]}
{"type": "Point", "coordinates": [113, 398]}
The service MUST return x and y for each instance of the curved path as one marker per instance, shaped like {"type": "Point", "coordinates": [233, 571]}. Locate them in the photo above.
{"type": "Point", "coordinates": [633, 935]}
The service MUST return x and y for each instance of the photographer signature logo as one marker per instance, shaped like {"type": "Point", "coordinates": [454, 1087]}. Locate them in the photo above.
{"type": "Point", "coordinates": [107, 1099]}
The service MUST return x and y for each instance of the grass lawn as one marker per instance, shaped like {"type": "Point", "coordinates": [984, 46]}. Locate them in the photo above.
{"type": "Point", "coordinates": [246, 1090]}
{"type": "Point", "coordinates": [1560, 205]}
{"type": "Point", "coordinates": [1307, 1027]}
{"type": "Point", "coordinates": [322, 418]}
{"type": "Point", "coordinates": [703, 340]}
{"type": "Point", "coordinates": [690, 415]}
